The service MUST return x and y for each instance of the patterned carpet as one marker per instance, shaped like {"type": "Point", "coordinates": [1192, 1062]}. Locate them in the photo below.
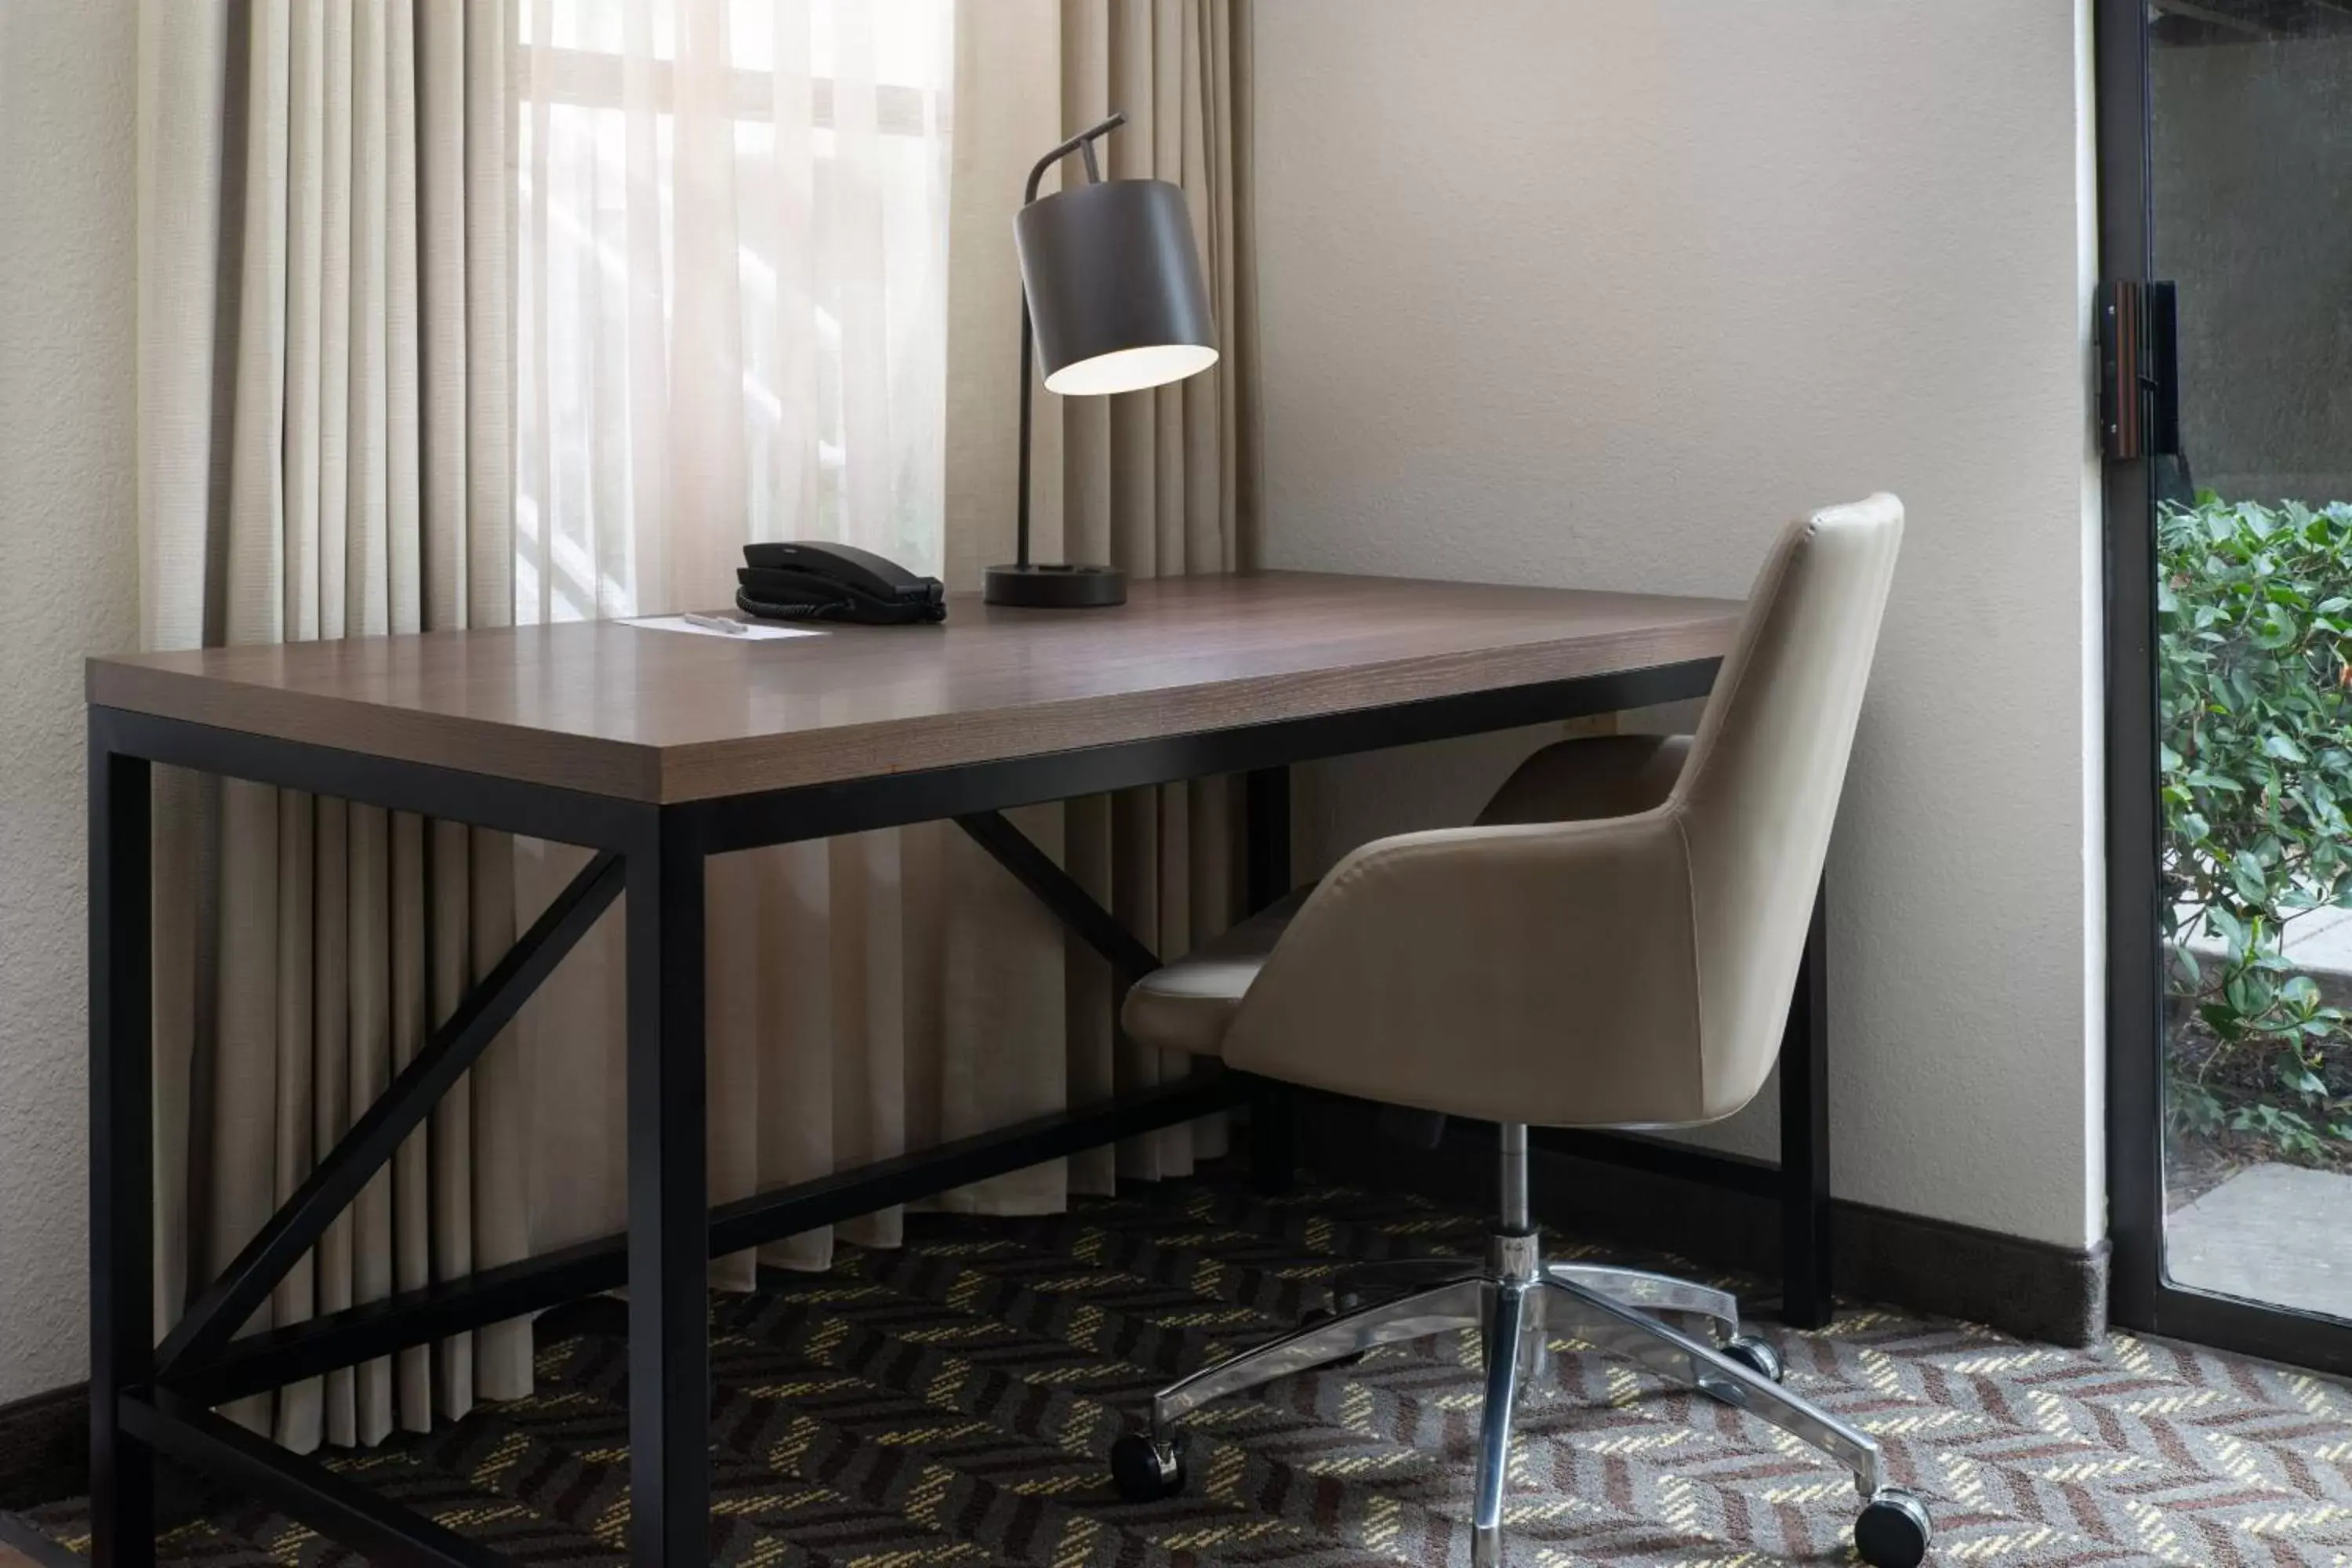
{"type": "Point", "coordinates": [951, 1402]}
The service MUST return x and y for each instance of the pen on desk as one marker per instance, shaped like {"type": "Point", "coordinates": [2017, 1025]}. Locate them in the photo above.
{"type": "Point", "coordinates": [716, 624]}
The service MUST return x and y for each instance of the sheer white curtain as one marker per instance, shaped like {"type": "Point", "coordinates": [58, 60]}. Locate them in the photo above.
{"type": "Point", "coordinates": [733, 290]}
{"type": "Point", "coordinates": [732, 300]}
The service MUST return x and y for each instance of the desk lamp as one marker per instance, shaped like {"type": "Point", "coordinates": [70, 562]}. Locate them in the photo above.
{"type": "Point", "coordinates": [1111, 300]}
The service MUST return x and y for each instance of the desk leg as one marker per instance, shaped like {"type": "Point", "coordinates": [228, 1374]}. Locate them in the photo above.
{"type": "Point", "coordinates": [669, 1340]}
{"type": "Point", "coordinates": [1266, 812]}
{"type": "Point", "coordinates": [1273, 1114]}
{"type": "Point", "coordinates": [122, 1154]}
{"type": "Point", "coordinates": [1805, 1300]}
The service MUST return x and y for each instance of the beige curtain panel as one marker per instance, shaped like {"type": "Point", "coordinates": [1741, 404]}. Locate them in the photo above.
{"type": "Point", "coordinates": [324, 450]}
{"type": "Point", "coordinates": [1155, 482]}
{"type": "Point", "coordinates": [454, 312]}
{"type": "Point", "coordinates": [1160, 482]}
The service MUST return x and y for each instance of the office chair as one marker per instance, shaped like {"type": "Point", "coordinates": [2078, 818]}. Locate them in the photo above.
{"type": "Point", "coordinates": [1612, 945]}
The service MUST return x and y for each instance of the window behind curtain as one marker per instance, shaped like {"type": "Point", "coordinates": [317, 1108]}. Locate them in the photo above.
{"type": "Point", "coordinates": [796, 150]}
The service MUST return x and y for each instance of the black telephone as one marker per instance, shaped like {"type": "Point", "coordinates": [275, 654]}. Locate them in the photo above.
{"type": "Point", "coordinates": [806, 580]}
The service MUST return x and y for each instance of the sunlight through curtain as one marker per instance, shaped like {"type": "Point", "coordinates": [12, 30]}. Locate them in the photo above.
{"type": "Point", "coordinates": [733, 290]}
{"type": "Point", "coordinates": [733, 300]}
{"type": "Point", "coordinates": [733, 303]}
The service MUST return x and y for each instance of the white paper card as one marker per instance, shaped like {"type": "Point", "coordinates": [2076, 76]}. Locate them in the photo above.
{"type": "Point", "coordinates": [753, 631]}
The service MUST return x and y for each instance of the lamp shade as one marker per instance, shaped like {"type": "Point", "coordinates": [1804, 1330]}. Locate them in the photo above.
{"type": "Point", "coordinates": [1114, 286]}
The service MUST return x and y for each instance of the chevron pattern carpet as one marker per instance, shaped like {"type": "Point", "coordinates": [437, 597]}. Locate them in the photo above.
{"type": "Point", "coordinates": [951, 1404]}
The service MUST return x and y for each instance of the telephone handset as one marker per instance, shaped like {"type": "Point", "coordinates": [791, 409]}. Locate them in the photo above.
{"type": "Point", "coordinates": [808, 580]}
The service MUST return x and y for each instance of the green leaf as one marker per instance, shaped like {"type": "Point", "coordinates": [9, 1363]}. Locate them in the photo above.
{"type": "Point", "coordinates": [2299, 1080]}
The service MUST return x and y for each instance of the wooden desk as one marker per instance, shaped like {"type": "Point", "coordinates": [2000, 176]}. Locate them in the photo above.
{"type": "Point", "coordinates": [658, 749]}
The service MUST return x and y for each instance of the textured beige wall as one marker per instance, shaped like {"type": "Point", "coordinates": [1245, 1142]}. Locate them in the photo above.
{"type": "Point", "coordinates": [68, 587]}
{"type": "Point", "coordinates": [1598, 295]}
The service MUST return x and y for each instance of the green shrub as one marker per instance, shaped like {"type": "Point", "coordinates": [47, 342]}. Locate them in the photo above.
{"type": "Point", "coordinates": [2255, 626]}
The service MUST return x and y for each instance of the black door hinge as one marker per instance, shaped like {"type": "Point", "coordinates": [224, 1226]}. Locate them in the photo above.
{"type": "Point", "coordinates": [2139, 369]}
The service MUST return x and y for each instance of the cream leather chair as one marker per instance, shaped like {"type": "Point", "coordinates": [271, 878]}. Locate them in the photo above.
{"type": "Point", "coordinates": [1612, 945]}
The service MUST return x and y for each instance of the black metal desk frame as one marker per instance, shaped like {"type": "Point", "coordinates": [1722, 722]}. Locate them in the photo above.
{"type": "Point", "coordinates": [147, 1398]}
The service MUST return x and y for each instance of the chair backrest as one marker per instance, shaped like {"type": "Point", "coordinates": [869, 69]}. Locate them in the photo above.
{"type": "Point", "coordinates": [1760, 791]}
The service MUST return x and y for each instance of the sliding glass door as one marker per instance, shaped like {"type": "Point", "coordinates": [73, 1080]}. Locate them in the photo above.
{"type": "Point", "coordinates": [2226, 168]}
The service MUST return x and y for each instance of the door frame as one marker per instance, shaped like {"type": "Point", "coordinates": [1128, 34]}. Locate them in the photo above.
{"type": "Point", "coordinates": [2141, 1297]}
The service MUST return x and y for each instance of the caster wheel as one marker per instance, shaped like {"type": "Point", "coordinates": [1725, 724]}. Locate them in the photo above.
{"type": "Point", "coordinates": [1141, 1472]}
{"type": "Point", "coordinates": [1893, 1530]}
{"type": "Point", "coordinates": [1757, 1355]}
{"type": "Point", "coordinates": [1314, 1315]}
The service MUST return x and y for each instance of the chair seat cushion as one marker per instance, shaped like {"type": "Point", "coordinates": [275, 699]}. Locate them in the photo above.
{"type": "Point", "coordinates": [1187, 1004]}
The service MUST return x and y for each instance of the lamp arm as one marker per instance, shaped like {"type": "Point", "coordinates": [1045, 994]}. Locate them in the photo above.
{"type": "Point", "coordinates": [1021, 513]}
{"type": "Point", "coordinates": [1082, 143]}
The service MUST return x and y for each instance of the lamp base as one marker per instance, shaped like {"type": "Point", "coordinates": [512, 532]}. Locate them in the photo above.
{"type": "Point", "coordinates": [1044, 587]}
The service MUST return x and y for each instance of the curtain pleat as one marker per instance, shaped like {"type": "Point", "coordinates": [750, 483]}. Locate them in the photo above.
{"type": "Point", "coordinates": [324, 452]}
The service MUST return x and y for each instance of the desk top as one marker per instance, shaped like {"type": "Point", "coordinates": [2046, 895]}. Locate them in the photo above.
{"type": "Point", "coordinates": [649, 715]}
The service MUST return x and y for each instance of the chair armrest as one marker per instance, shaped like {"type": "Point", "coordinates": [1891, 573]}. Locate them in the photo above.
{"type": "Point", "coordinates": [1542, 973]}
{"type": "Point", "coordinates": [1590, 776]}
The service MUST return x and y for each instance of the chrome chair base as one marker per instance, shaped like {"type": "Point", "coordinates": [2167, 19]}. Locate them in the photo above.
{"type": "Point", "coordinates": [1519, 1302]}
